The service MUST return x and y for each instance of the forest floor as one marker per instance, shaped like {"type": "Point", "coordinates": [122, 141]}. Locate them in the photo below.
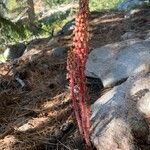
{"type": "Point", "coordinates": [38, 115]}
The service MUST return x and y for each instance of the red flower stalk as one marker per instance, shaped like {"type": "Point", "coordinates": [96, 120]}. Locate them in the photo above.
{"type": "Point", "coordinates": [77, 58]}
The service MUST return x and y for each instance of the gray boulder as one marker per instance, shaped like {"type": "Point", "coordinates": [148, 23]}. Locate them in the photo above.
{"type": "Point", "coordinates": [120, 117]}
{"type": "Point", "coordinates": [128, 4]}
{"type": "Point", "coordinates": [128, 35]}
{"type": "Point", "coordinates": [115, 62]}
{"type": "Point", "coordinates": [67, 28]}
{"type": "Point", "coordinates": [59, 52]}
{"type": "Point", "coordinates": [14, 51]}
{"type": "Point", "coordinates": [147, 36]}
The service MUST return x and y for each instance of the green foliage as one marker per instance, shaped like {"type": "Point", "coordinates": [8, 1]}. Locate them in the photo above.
{"type": "Point", "coordinates": [100, 5]}
{"type": "Point", "coordinates": [10, 31]}
{"type": "Point", "coordinates": [11, 4]}
{"type": "Point", "coordinates": [14, 32]}
{"type": "Point", "coordinates": [54, 23]}
{"type": "Point", "coordinates": [52, 3]}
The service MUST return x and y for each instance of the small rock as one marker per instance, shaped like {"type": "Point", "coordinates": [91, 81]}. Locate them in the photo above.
{"type": "Point", "coordinates": [14, 51]}
{"type": "Point", "coordinates": [128, 35]}
{"type": "Point", "coordinates": [59, 52]}
{"type": "Point", "coordinates": [67, 28]}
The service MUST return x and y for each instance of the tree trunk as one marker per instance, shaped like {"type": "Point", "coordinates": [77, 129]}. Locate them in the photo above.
{"type": "Point", "coordinates": [31, 15]}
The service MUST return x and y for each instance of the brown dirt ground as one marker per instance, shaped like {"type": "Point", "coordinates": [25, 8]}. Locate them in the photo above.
{"type": "Point", "coordinates": [39, 115]}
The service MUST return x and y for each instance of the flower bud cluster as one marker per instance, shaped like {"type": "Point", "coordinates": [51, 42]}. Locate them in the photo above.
{"type": "Point", "coordinates": [77, 58]}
